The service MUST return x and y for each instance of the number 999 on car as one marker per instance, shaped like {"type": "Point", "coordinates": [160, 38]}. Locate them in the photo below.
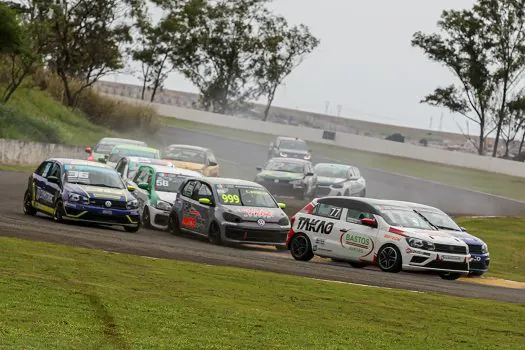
{"type": "Point", "coordinates": [230, 198]}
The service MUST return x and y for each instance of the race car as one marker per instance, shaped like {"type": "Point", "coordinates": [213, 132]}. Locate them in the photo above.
{"type": "Point", "coordinates": [288, 177]}
{"type": "Point", "coordinates": [127, 166]}
{"type": "Point", "coordinates": [289, 147]}
{"type": "Point", "coordinates": [192, 158]}
{"type": "Point", "coordinates": [81, 190]}
{"type": "Point", "coordinates": [157, 190]}
{"type": "Point", "coordinates": [365, 231]}
{"type": "Point", "coordinates": [229, 211]}
{"type": "Point", "coordinates": [120, 151]}
{"type": "Point", "coordinates": [106, 144]}
{"type": "Point", "coordinates": [339, 180]}
{"type": "Point", "coordinates": [479, 251]}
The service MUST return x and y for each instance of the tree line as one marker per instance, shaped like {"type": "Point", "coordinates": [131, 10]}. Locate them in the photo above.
{"type": "Point", "coordinates": [233, 51]}
{"type": "Point", "coordinates": [484, 48]}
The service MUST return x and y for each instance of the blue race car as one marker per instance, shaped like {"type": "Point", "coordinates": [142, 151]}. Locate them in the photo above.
{"type": "Point", "coordinates": [80, 190]}
{"type": "Point", "coordinates": [480, 257]}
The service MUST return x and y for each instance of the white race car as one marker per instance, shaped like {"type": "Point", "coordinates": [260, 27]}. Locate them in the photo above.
{"type": "Point", "coordinates": [365, 231]}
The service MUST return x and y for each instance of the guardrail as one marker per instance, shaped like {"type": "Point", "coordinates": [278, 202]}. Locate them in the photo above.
{"type": "Point", "coordinates": [32, 153]}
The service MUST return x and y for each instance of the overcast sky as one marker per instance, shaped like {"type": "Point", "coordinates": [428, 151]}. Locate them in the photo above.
{"type": "Point", "coordinates": [365, 62]}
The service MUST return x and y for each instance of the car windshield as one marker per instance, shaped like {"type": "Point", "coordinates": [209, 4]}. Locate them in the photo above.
{"type": "Point", "coordinates": [439, 219]}
{"type": "Point", "coordinates": [331, 170]}
{"type": "Point", "coordinates": [169, 182]}
{"type": "Point", "coordinates": [104, 148]}
{"type": "Point", "coordinates": [186, 155]}
{"type": "Point", "coordinates": [295, 145]}
{"type": "Point", "coordinates": [137, 153]}
{"type": "Point", "coordinates": [245, 196]}
{"type": "Point", "coordinates": [404, 218]}
{"type": "Point", "coordinates": [283, 165]}
{"type": "Point", "coordinates": [92, 175]}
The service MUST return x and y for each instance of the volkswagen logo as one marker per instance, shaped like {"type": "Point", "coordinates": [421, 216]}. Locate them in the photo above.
{"type": "Point", "coordinates": [261, 222]}
{"type": "Point", "coordinates": [108, 204]}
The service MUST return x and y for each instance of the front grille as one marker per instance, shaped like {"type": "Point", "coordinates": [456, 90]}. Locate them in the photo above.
{"type": "Point", "coordinates": [322, 191]}
{"type": "Point", "coordinates": [161, 220]}
{"type": "Point", "coordinates": [102, 203]}
{"type": "Point", "coordinates": [448, 265]}
{"type": "Point", "coordinates": [478, 265]}
{"type": "Point", "coordinates": [447, 248]}
{"type": "Point", "coordinates": [105, 218]}
{"type": "Point", "coordinates": [418, 259]}
{"type": "Point", "coordinates": [250, 235]}
{"type": "Point", "coordinates": [475, 249]}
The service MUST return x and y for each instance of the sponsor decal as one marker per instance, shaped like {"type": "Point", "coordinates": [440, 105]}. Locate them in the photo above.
{"type": "Point", "coordinates": [394, 238]}
{"type": "Point", "coordinates": [315, 225]}
{"type": "Point", "coordinates": [256, 212]}
{"type": "Point", "coordinates": [320, 241]}
{"type": "Point", "coordinates": [357, 243]}
{"type": "Point", "coordinates": [415, 251]}
{"type": "Point", "coordinates": [451, 258]}
{"type": "Point", "coordinates": [476, 258]}
{"type": "Point", "coordinates": [189, 222]}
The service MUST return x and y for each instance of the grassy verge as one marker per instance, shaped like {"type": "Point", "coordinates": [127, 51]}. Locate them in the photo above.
{"type": "Point", "coordinates": [62, 297]}
{"type": "Point", "coordinates": [506, 240]}
{"type": "Point", "coordinates": [498, 184]}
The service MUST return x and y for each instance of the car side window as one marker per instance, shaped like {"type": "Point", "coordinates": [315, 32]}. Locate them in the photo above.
{"type": "Point", "coordinates": [142, 176]}
{"type": "Point", "coordinates": [114, 157]}
{"type": "Point", "coordinates": [43, 169]}
{"type": "Point", "coordinates": [328, 211]}
{"type": "Point", "coordinates": [121, 167]}
{"type": "Point", "coordinates": [55, 171]}
{"type": "Point", "coordinates": [211, 158]}
{"type": "Point", "coordinates": [353, 216]}
{"type": "Point", "coordinates": [204, 191]}
{"type": "Point", "coordinates": [357, 173]}
{"type": "Point", "coordinates": [187, 191]}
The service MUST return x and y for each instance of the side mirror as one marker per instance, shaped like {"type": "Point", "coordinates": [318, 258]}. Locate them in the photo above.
{"type": "Point", "coordinates": [309, 174]}
{"type": "Point", "coordinates": [53, 179]}
{"type": "Point", "coordinates": [88, 150]}
{"type": "Point", "coordinates": [102, 160]}
{"type": "Point", "coordinates": [369, 222]}
{"type": "Point", "coordinates": [205, 201]}
{"type": "Point", "coordinates": [281, 205]}
{"type": "Point", "coordinates": [259, 168]}
{"type": "Point", "coordinates": [143, 186]}
{"type": "Point", "coordinates": [106, 157]}
{"type": "Point", "coordinates": [212, 164]}
{"type": "Point", "coordinates": [131, 188]}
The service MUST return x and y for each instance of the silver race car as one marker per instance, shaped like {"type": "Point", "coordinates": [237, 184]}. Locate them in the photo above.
{"type": "Point", "coordinates": [229, 211]}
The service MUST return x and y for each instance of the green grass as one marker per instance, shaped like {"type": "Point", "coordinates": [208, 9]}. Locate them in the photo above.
{"type": "Point", "coordinates": [54, 296]}
{"type": "Point", "coordinates": [505, 238]}
{"type": "Point", "coordinates": [33, 115]}
{"type": "Point", "coordinates": [498, 184]}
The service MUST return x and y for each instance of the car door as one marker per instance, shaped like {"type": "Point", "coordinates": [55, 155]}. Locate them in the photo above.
{"type": "Point", "coordinates": [39, 185]}
{"type": "Point", "coordinates": [189, 216]}
{"type": "Point", "coordinates": [52, 188]}
{"type": "Point", "coordinates": [143, 176]}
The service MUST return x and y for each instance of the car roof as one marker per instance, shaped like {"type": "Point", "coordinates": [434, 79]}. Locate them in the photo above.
{"type": "Point", "coordinates": [135, 147]}
{"type": "Point", "coordinates": [336, 165]}
{"type": "Point", "coordinates": [174, 170]}
{"type": "Point", "coordinates": [146, 160]}
{"type": "Point", "coordinates": [229, 181]}
{"type": "Point", "coordinates": [74, 161]}
{"type": "Point", "coordinates": [290, 160]}
{"type": "Point", "coordinates": [289, 138]}
{"type": "Point", "coordinates": [116, 139]}
{"type": "Point", "coordinates": [197, 148]}
{"type": "Point", "coordinates": [414, 205]}
{"type": "Point", "coordinates": [369, 204]}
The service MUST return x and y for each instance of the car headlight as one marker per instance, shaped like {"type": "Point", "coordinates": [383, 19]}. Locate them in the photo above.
{"type": "Point", "coordinates": [132, 204]}
{"type": "Point", "coordinates": [231, 217]}
{"type": "Point", "coordinates": [283, 154]}
{"type": "Point", "coordinates": [307, 157]}
{"type": "Point", "coordinates": [161, 205]}
{"type": "Point", "coordinates": [484, 249]}
{"type": "Point", "coordinates": [283, 222]}
{"type": "Point", "coordinates": [338, 184]}
{"type": "Point", "coordinates": [75, 197]}
{"type": "Point", "coordinates": [420, 244]}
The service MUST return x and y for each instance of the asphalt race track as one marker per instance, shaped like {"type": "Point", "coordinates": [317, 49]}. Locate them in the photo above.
{"type": "Point", "coordinates": [159, 244]}
{"type": "Point", "coordinates": [239, 159]}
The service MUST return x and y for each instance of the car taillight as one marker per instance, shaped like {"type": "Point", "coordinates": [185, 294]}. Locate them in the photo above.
{"type": "Point", "coordinates": [309, 208]}
{"type": "Point", "coordinates": [397, 231]}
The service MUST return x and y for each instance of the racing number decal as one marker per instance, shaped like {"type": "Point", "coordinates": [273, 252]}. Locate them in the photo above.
{"type": "Point", "coordinates": [228, 198]}
{"type": "Point", "coordinates": [73, 174]}
{"type": "Point", "coordinates": [162, 183]}
{"type": "Point", "coordinates": [334, 212]}
{"type": "Point", "coordinates": [315, 225]}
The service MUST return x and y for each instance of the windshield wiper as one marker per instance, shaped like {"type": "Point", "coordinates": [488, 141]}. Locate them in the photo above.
{"type": "Point", "coordinates": [424, 218]}
{"type": "Point", "coordinates": [104, 185]}
{"type": "Point", "coordinates": [447, 228]}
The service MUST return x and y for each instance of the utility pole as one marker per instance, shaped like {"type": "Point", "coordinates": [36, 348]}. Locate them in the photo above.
{"type": "Point", "coordinates": [441, 122]}
{"type": "Point", "coordinates": [430, 124]}
{"type": "Point", "coordinates": [339, 109]}
{"type": "Point", "coordinates": [326, 106]}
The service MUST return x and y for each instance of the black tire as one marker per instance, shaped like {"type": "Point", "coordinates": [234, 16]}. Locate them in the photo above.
{"type": "Point", "coordinates": [301, 247]}
{"type": "Point", "coordinates": [58, 216]}
{"type": "Point", "coordinates": [476, 273]}
{"type": "Point", "coordinates": [214, 235]}
{"type": "Point", "coordinates": [28, 207]}
{"type": "Point", "coordinates": [145, 219]}
{"type": "Point", "coordinates": [357, 265]}
{"type": "Point", "coordinates": [173, 225]}
{"type": "Point", "coordinates": [389, 258]}
{"type": "Point", "coordinates": [132, 229]}
{"type": "Point", "coordinates": [449, 275]}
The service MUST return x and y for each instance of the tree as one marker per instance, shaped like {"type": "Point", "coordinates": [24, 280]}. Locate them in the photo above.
{"type": "Point", "coordinates": [216, 45]}
{"type": "Point", "coordinates": [10, 30]}
{"type": "Point", "coordinates": [514, 123]}
{"type": "Point", "coordinates": [281, 49]}
{"type": "Point", "coordinates": [87, 36]}
{"type": "Point", "coordinates": [462, 48]}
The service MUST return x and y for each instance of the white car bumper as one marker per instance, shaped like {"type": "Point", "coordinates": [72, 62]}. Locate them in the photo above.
{"type": "Point", "coordinates": [420, 260]}
{"type": "Point", "coordinates": [158, 218]}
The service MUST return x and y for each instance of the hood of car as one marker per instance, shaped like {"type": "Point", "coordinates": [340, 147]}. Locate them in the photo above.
{"type": "Point", "coordinates": [188, 165]}
{"type": "Point", "coordinates": [98, 192]}
{"type": "Point", "coordinates": [326, 181]}
{"type": "Point", "coordinates": [440, 237]}
{"type": "Point", "coordinates": [465, 236]}
{"type": "Point", "coordinates": [167, 196]}
{"type": "Point", "coordinates": [271, 215]}
{"type": "Point", "coordinates": [279, 175]}
{"type": "Point", "coordinates": [294, 151]}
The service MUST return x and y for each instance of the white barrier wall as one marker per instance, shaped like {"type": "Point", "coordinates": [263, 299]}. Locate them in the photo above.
{"type": "Point", "coordinates": [32, 153]}
{"type": "Point", "coordinates": [344, 140]}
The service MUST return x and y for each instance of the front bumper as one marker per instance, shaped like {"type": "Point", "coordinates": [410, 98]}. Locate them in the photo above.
{"type": "Point", "coordinates": [418, 260]}
{"type": "Point", "coordinates": [283, 188]}
{"type": "Point", "coordinates": [252, 233]}
{"type": "Point", "coordinates": [158, 218]}
{"type": "Point", "coordinates": [99, 215]}
{"type": "Point", "coordinates": [322, 191]}
{"type": "Point", "coordinates": [479, 262]}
